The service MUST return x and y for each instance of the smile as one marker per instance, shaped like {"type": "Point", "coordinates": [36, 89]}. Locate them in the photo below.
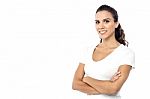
{"type": "Point", "coordinates": [102, 32]}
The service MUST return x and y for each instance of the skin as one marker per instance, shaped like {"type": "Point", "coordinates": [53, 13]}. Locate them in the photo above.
{"type": "Point", "coordinates": [105, 27]}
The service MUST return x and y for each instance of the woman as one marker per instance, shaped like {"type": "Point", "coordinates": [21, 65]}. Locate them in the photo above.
{"type": "Point", "coordinates": [104, 68]}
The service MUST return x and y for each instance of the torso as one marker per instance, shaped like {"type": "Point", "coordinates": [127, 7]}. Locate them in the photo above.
{"type": "Point", "coordinates": [102, 63]}
{"type": "Point", "coordinates": [101, 52]}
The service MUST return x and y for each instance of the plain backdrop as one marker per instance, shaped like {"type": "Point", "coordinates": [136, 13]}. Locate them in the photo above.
{"type": "Point", "coordinates": [41, 41]}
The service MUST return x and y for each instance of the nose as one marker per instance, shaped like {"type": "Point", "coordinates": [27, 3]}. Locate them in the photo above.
{"type": "Point", "coordinates": [100, 25]}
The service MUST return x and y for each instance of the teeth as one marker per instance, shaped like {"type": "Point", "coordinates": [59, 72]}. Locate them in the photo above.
{"type": "Point", "coordinates": [102, 32]}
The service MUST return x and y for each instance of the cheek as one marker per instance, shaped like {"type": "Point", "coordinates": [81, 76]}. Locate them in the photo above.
{"type": "Point", "coordinates": [96, 27]}
{"type": "Point", "coordinates": [111, 27]}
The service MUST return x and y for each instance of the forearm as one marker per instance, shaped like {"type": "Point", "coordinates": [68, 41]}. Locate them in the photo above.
{"type": "Point", "coordinates": [103, 87]}
{"type": "Point", "coordinates": [84, 87]}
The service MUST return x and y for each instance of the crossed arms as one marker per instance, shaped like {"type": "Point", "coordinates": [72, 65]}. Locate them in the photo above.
{"type": "Point", "coordinates": [92, 86]}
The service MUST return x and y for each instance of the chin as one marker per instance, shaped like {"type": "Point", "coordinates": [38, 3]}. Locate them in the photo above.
{"type": "Point", "coordinates": [103, 37]}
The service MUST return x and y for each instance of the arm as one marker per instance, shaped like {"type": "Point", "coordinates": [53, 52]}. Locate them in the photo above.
{"type": "Point", "coordinates": [109, 87]}
{"type": "Point", "coordinates": [116, 76]}
{"type": "Point", "coordinates": [78, 83]}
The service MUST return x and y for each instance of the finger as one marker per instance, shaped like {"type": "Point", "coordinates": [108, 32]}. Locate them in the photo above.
{"type": "Point", "coordinates": [116, 77]}
{"type": "Point", "coordinates": [117, 73]}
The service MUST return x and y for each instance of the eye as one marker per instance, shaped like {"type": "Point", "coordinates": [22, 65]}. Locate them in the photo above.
{"type": "Point", "coordinates": [97, 22]}
{"type": "Point", "coordinates": [106, 21]}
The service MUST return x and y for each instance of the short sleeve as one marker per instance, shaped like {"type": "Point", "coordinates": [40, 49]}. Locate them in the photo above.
{"type": "Point", "coordinates": [83, 56]}
{"type": "Point", "coordinates": [86, 54]}
{"type": "Point", "coordinates": [128, 58]}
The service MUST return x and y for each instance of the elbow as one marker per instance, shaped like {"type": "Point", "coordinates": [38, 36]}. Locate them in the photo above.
{"type": "Point", "coordinates": [74, 86]}
{"type": "Point", "coordinates": [113, 91]}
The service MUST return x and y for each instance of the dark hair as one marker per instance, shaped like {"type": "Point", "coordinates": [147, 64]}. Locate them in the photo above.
{"type": "Point", "coordinates": [119, 32]}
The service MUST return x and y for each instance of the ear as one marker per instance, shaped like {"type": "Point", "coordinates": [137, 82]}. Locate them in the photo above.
{"type": "Point", "coordinates": [117, 23]}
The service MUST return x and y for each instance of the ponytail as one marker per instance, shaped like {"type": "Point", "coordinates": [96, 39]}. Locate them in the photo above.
{"type": "Point", "coordinates": [120, 36]}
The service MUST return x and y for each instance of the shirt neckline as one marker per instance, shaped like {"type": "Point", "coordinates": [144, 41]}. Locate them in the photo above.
{"type": "Point", "coordinates": [107, 55]}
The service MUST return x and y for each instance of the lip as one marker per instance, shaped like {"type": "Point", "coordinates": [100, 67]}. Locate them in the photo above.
{"type": "Point", "coordinates": [102, 32]}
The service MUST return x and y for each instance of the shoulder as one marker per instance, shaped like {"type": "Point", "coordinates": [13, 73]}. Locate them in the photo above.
{"type": "Point", "coordinates": [127, 50]}
{"type": "Point", "coordinates": [86, 52]}
{"type": "Point", "coordinates": [90, 47]}
{"type": "Point", "coordinates": [127, 56]}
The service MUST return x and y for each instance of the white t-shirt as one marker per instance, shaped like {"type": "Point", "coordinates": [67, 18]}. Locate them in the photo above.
{"type": "Point", "coordinates": [107, 67]}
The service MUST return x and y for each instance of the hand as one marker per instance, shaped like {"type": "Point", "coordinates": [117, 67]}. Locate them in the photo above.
{"type": "Point", "coordinates": [116, 76]}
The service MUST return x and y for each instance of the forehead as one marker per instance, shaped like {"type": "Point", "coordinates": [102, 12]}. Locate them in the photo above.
{"type": "Point", "coordinates": [103, 15]}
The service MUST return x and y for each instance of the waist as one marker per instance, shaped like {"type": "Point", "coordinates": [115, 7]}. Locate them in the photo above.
{"type": "Point", "coordinates": [102, 96]}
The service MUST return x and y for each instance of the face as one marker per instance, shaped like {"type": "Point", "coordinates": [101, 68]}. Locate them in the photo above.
{"type": "Point", "coordinates": [105, 24]}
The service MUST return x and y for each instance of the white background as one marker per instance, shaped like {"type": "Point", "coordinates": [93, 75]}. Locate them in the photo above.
{"type": "Point", "coordinates": [41, 40]}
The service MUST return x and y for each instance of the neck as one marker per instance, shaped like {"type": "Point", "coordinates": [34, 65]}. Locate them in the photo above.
{"type": "Point", "coordinates": [110, 42]}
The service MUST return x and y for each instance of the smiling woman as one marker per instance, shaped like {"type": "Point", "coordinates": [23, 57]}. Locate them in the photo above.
{"type": "Point", "coordinates": [105, 67]}
{"type": "Point", "coordinates": [107, 21]}
{"type": "Point", "coordinates": [105, 24]}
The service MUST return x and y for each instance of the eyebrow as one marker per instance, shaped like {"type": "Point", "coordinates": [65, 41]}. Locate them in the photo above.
{"type": "Point", "coordinates": [107, 19]}
{"type": "Point", "coordinates": [104, 19]}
